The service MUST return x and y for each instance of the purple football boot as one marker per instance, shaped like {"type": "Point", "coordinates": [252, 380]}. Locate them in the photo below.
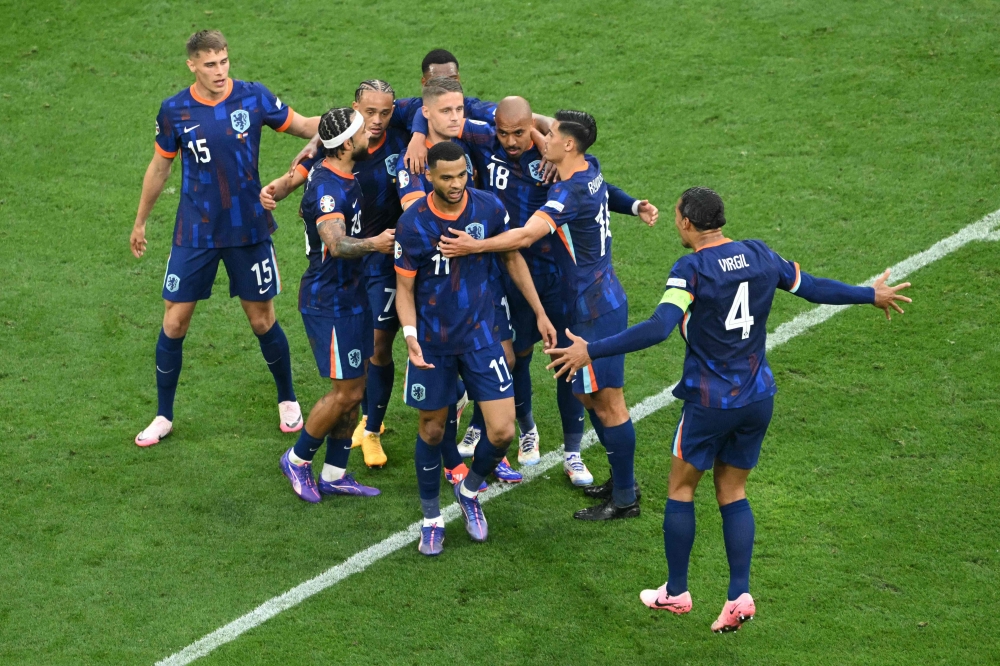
{"type": "Point", "coordinates": [472, 512]}
{"type": "Point", "coordinates": [346, 486]}
{"type": "Point", "coordinates": [506, 473]}
{"type": "Point", "coordinates": [431, 540]}
{"type": "Point", "coordinates": [301, 477]}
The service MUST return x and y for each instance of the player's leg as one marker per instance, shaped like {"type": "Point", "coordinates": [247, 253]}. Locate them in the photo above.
{"type": "Point", "coordinates": [188, 279]}
{"type": "Point", "coordinates": [381, 369]}
{"type": "Point", "coordinates": [734, 461]}
{"type": "Point", "coordinates": [455, 469]}
{"type": "Point", "coordinates": [608, 405]}
{"type": "Point", "coordinates": [254, 277]}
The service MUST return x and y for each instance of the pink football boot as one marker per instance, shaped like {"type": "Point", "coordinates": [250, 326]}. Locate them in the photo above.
{"type": "Point", "coordinates": [734, 614]}
{"type": "Point", "coordinates": [660, 600]}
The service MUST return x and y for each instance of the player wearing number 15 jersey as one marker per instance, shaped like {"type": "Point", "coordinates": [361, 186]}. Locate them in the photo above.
{"type": "Point", "coordinates": [720, 296]}
{"type": "Point", "coordinates": [215, 127]}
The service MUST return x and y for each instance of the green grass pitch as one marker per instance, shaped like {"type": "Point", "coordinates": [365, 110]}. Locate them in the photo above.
{"type": "Point", "coordinates": [848, 135]}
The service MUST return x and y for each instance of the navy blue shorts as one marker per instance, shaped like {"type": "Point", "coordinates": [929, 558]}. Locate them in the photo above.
{"type": "Point", "coordinates": [522, 317]}
{"type": "Point", "coordinates": [501, 314]}
{"type": "Point", "coordinates": [733, 436]}
{"type": "Point", "coordinates": [382, 300]}
{"type": "Point", "coordinates": [607, 372]}
{"type": "Point", "coordinates": [484, 372]}
{"type": "Point", "coordinates": [253, 272]}
{"type": "Point", "coordinates": [341, 345]}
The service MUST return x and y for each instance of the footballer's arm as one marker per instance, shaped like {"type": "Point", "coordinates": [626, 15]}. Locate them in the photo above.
{"type": "Point", "coordinates": [302, 127]}
{"type": "Point", "coordinates": [279, 188]}
{"type": "Point", "coordinates": [519, 274]}
{"type": "Point", "coordinates": [463, 244]}
{"type": "Point", "coordinates": [406, 311]}
{"type": "Point", "coordinates": [333, 232]}
{"type": "Point", "coordinates": [156, 177]}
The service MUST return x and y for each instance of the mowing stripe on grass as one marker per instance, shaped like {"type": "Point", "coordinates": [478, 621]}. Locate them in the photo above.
{"type": "Point", "coordinates": [981, 230]}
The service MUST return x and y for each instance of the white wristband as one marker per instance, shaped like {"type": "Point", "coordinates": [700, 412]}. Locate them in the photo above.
{"type": "Point", "coordinates": [409, 331]}
{"type": "Point", "coordinates": [635, 207]}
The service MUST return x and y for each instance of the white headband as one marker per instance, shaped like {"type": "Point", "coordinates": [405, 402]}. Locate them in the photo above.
{"type": "Point", "coordinates": [346, 134]}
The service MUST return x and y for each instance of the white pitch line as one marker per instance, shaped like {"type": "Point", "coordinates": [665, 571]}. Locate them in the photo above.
{"type": "Point", "coordinates": [981, 230]}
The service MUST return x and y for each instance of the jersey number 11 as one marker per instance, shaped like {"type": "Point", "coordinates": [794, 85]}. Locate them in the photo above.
{"type": "Point", "coordinates": [739, 313]}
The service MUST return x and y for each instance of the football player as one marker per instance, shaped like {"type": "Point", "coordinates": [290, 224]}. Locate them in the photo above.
{"type": "Point", "coordinates": [215, 125]}
{"type": "Point", "coordinates": [720, 297]}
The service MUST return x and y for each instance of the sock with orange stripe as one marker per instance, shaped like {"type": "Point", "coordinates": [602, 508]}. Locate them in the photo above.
{"type": "Point", "coordinates": [274, 347]}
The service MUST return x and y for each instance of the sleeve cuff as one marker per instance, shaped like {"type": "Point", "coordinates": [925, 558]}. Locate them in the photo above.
{"type": "Point", "coordinates": [405, 273]}
{"type": "Point", "coordinates": [548, 219]}
{"type": "Point", "coordinates": [412, 196]}
{"type": "Point", "coordinates": [164, 153]}
{"type": "Point", "coordinates": [635, 207]}
{"type": "Point", "coordinates": [288, 120]}
{"type": "Point", "coordinates": [329, 216]}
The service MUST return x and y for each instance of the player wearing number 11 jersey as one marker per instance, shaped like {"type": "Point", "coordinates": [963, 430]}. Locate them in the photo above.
{"type": "Point", "coordinates": [215, 127]}
{"type": "Point", "coordinates": [720, 296]}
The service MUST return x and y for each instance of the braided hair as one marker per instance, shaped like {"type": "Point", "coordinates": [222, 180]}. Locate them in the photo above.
{"type": "Point", "coordinates": [580, 125]}
{"type": "Point", "coordinates": [334, 123]}
{"type": "Point", "coordinates": [703, 207]}
{"type": "Point", "coordinates": [373, 85]}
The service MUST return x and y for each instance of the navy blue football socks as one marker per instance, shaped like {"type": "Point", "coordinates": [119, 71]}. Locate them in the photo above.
{"type": "Point", "coordinates": [738, 531]}
{"type": "Point", "coordinates": [449, 445]}
{"type": "Point", "coordinates": [678, 538]}
{"type": "Point", "coordinates": [484, 461]}
{"type": "Point", "coordinates": [337, 451]}
{"type": "Point", "coordinates": [522, 393]}
{"type": "Point", "coordinates": [307, 446]}
{"type": "Point", "coordinates": [427, 460]}
{"type": "Point", "coordinates": [378, 390]}
{"type": "Point", "coordinates": [169, 356]}
{"type": "Point", "coordinates": [620, 444]}
{"type": "Point", "coordinates": [364, 396]}
{"type": "Point", "coordinates": [274, 347]}
{"type": "Point", "coordinates": [571, 413]}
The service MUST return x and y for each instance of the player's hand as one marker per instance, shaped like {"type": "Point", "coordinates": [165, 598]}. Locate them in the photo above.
{"type": "Point", "coordinates": [648, 213]}
{"type": "Point", "coordinates": [138, 240]}
{"type": "Point", "coordinates": [385, 242]}
{"type": "Point", "coordinates": [417, 355]}
{"type": "Point", "coordinates": [267, 197]}
{"type": "Point", "coordinates": [549, 172]}
{"type": "Point", "coordinates": [569, 359]}
{"type": "Point", "coordinates": [306, 153]}
{"type": "Point", "coordinates": [461, 245]}
{"type": "Point", "coordinates": [548, 331]}
{"type": "Point", "coordinates": [886, 296]}
{"type": "Point", "coordinates": [416, 154]}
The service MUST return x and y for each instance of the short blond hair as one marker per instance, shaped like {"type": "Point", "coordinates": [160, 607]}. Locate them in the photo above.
{"type": "Point", "coordinates": [206, 40]}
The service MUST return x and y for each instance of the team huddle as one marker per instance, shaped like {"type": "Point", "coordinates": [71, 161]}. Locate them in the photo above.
{"type": "Point", "coordinates": [479, 229]}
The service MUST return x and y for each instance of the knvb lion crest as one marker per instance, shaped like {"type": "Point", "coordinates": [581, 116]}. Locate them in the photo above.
{"type": "Point", "coordinates": [418, 392]}
{"type": "Point", "coordinates": [172, 283]}
{"type": "Point", "coordinates": [468, 166]}
{"type": "Point", "coordinates": [354, 358]}
{"type": "Point", "coordinates": [240, 120]}
{"type": "Point", "coordinates": [535, 168]}
{"type": "Point", "coordinates": [476, 230]}
{"type": "Point", "coordinates": [390, 164]}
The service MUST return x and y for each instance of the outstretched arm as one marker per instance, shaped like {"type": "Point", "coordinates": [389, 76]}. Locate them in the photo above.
{"type": "Point", "coordinates": [156, 177]}
{"type": "Point", "coordinates": [669, 313]}
{"type": "Point", "coordinates": [303, 127]}
{"type": "Point", "coordinates": [333, 231]}
{"type": "Point", "coordinates": [279, 188]}
{"type": "Point", "coordinates": [834, 292]}
{"type": "Point", "coordinates": [621, 202]}
{"type": "Point", "coordinates": [463, 244]}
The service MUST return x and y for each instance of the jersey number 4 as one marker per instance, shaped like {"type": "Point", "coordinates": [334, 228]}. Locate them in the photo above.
{"type": "Point", "coordinates": [739, 314]}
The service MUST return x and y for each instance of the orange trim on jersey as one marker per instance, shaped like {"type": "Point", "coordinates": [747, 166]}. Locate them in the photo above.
{"type": "Point", "coordinates": [721, 241]}
{"type": "Point", "coordinates": [207, 102]}
{"type": "Point", "coordinates": [288, 121]}
{"type": "Point", "coordinates": [412, 196]}
{"type": "Point", "coordinates": [593, 379]}
{"type": "Point", "coordinates": [329, 165]}
{"type": "Point", "coordinates": [372, 149]}
{"type": "Point", "coordinates": [461, 128]}
{"type": "Point", "coordinates": [301, 170]}
{"type": "Point", "coordinates": [445, 216]}
{"type": "Point", "coordinates": [428, 144]}
{"type": "Point", "coordinates": [405, 273]}
{"type": "Point", "coordinates": [164, 153]}
{"type": "Point", "coordinates": [586, 165]}
{"type": "Point", "coordinates": [329, 216]}
{"type": "Point", "coordinates": [548, 219]}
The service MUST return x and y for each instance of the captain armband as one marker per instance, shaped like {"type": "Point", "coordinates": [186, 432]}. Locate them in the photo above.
{"type": "Point", "coordinates": [678, 297]}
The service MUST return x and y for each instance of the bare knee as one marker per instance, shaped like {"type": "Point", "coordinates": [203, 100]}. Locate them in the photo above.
{"type": "Point", "coordinates": [431, 430]}
{"type": "Point", "coordinates": [177, 319]}
{"type": "Point", "coordinates": [501, 436]}
{"type": "Point", "coordinates": [730, 483]}
{"type": "Point", "coordinates": [260, 315]}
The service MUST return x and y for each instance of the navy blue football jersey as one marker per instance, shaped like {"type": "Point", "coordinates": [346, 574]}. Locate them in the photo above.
{"type": "Point", "coordinates": [219, 144]}
{"type": "Point", "coordinates": [453, 298]}
{"type": "Point", "coordinates": [331, 285]}
{"type": "Point", "coordinates": [730, 287]}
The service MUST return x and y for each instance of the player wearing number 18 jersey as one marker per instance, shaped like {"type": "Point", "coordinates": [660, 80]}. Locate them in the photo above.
{"type": "Point", "coordinates": [720, 296]}
{"type": "Point", "coordinates": [215, 127]}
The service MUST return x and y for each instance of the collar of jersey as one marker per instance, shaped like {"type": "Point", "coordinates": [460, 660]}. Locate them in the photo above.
{"type": "Point", "coordinates": [586, 165]}
{"type": "Point", "coordinates": [326, 163]}
{"type": "Point", "coordinates": [372, 149]}
{"type": "Point", "coordinates": [445, 216]}
{"type": "Point", "coordinates": [721, 241]}
{"type": "Point", "coordinates": [201, 100]}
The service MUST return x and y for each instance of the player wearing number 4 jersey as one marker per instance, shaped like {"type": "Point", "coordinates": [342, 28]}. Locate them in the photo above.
{"type": "Point", "coordinates": [446, 309]}
{"type": "Point", "coordinates": [215, 126]}
{"type": "Point", "coordinates": [720, 296]}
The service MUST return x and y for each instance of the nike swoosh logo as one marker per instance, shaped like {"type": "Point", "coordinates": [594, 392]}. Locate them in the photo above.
{"type": "Point", "coordinates": [669, 604]}
{"type": "Point", "coordinates": [381, 318]}
{"type": "Point", "coordinates": [354, 204]}
{"type": "Point", "coordinates": [496, 159]}
{"type": "Point", "coordinates": [188, 129]}
{"type": "Point", "coordinates": [163, 371]}
{"type": "Point", "coordinates": [581, 418]}
{"type": "Point", "coordinates": [271, 362]}
{"type": "Point", "coordinates": [431, 469]}
{"type": "Point", "coordinates": [504, 388]}
{"type": "Point", "coordinates": [265, 289]}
